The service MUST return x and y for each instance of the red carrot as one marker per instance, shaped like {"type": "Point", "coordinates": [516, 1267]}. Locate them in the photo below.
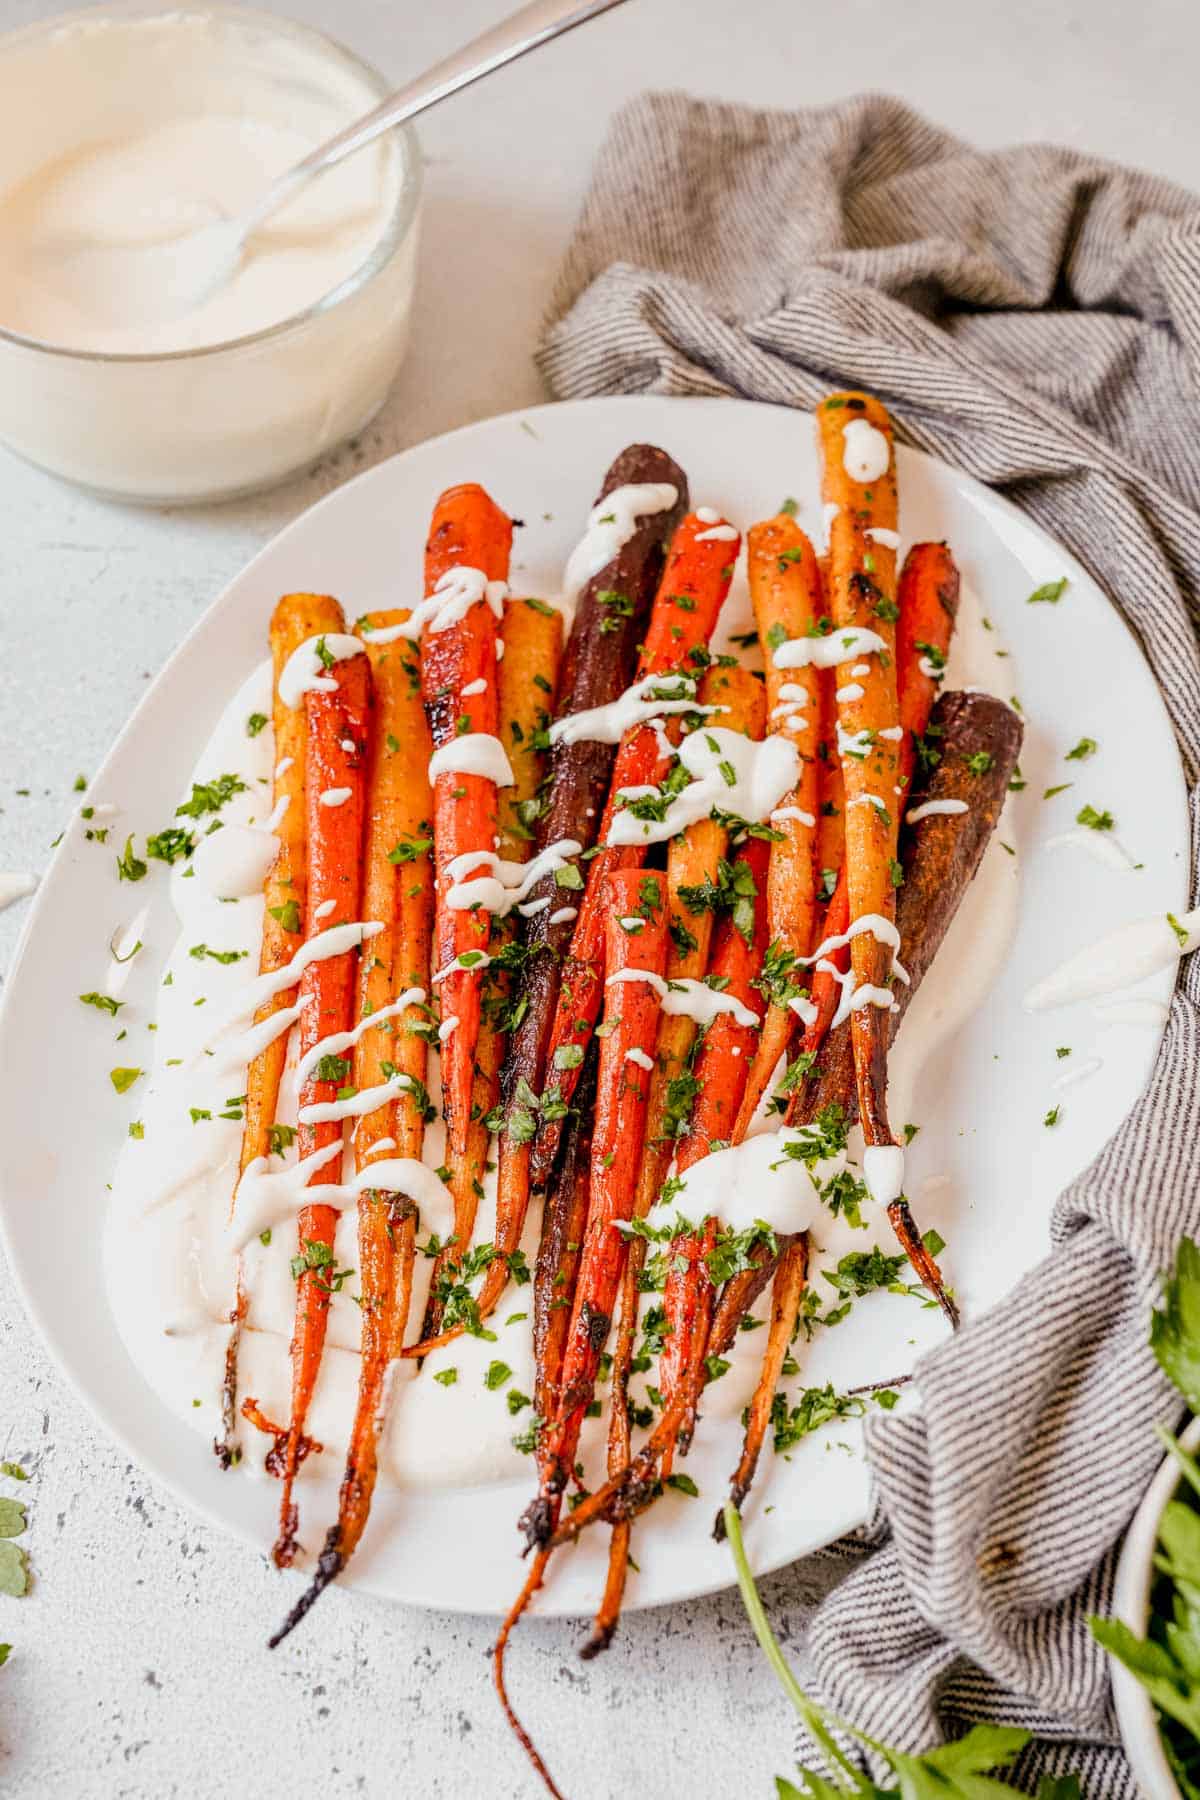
{"type": "Point", "coordinates": [336, 762]}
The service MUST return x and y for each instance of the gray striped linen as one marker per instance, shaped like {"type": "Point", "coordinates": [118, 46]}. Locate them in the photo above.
{"type": "Point", "coordinates": [1033, 317]}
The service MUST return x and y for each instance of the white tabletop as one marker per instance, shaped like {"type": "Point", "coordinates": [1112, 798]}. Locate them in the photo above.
{"type": "Point", "coordinates": [138, 1666]}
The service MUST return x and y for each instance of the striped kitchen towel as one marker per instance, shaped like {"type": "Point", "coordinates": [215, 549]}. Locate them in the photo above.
{"type": "Point", "coordinates": [1033, 317]}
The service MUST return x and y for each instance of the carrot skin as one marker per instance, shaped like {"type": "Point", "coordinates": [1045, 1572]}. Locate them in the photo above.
{"type": "Point", "coordinates": [296, 619]}
{"type": "Point", "coordinates": [335, 719]}
{"type": "Point", "coordinates": [468, 530]}
{"type": "Point", "coordinates": [695, 581]}
{"type": "Point", "coordinates": [622, 1090]}
{"type": "Point", "coordinates": [788, 1290]}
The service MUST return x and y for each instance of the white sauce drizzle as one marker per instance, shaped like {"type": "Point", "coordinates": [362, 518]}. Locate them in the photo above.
{"type": "Point", "coordinates": [355, 1106]}
{"type": "Point", "coordinates": [783, 813]}
{"type": "Point", "coordinates": [266, 1198]}
{"type": "Point", "coordinates": [335, 796]}
{"type": "Point", "coordinates": [610, 525]}
{"type": "Point", "coordinates": [507, 883]}
{"type": "Point", "coordinates": [283, 765]}
{"type": "Point", "coordinates": [881, 535]}
{"type": "Point", "coordinates": [883, 1172]}
{"type": "Point", "coordinates": [638, 705]}
{"type": "Point", "coordinates": [851, 691]}
{"type": "Point", "coordinates": [854, 744]}
{"type": "Point", "coordinates": [447, 1028]}
{"type": "Point", "coordinates": [1101, 846]}
{"type": "Point", "coordinates": [689, 999]}
{"type": "Point", "coordinates": [15, 888]}
{"type": "Point", "coordinates": [763, 774]}
{"type": "Point", "coordinates": [275, 817]}
{"type": "Point", "coordinates": [828, 652]}
{"type": "Point", "coordinates": [564, 915]}
{"type": "Point", "coordinates": [475, 753]}
{"type": "Point", "coordinates": [753, 1180]}
{"type": "Point", "coordinates": [323, 911]}
{"type": "Point", "coordinates": [458, 590]}
{"type": "Point", "coordinates": [719, 534]}
{"type": "Point", "coordinates": [860, 669]}
{"type": "Point", "coordinates": [336, 941]}
{"type": "Point", "coordinates": [865, 451]}
{"type": "Point", "coordinates": [338, 1042]}
{"type": "Point", "coordinates": [1072, 1077]}
{"type": "Point", "coordinates": [1119, 959]}
{"type": "Point", "coordinates": [641, 1058]}
{"type": "Point", "coordinates": [304, 672]}
{"type": "Point", "coordinates": [930, 809]}
{"type": "Point", "coordinates": [474, 687]}
{"type": "Point", "coordinates": [893, 733]}
{"type": "Point", "coordinates": [874, 800]}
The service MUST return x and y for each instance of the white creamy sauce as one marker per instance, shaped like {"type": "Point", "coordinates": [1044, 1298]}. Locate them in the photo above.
{"type": "Point", "coordinates": [474, 687]}
{"type": "Point", "coordinates": [875, 800]}
{"type": "Point", "coordinates": [475, 753]}
{"type": "Point", "coordinates": [283, 765]}
{"type": "Point", "coordinates": [828, 652]}
{"type": "Point", "coordinates": [783, 813]}
{"type": "Point", "coordinates": [720, 534]}
{"type": "Point", "coordinates": [447, 1028]}
{"type": "Point", "coordinates": [336, 1043]}
{"type": "Point", "coordinates": [167, 163]}
{"type": "Point", "coordinates": [730, 772]}
{"type": "Point", "coordinates": [326, 907]}
{"type": "Point", "coordinates": [564, 915]}
{"type": "Point", "coordinates": [853, 743]}
{"type": "Point", "coordinates": [610, 525]}
{"type": "Point", "coordinates": [506, 883]}
{"type": "Point", "coordinates": [651, 698]}
{"type": "Point", "coordinates": [334, 796]}
{"type": "Point", "coordinates": [689, 999]}
{"type": "Point", "coordinates": [14, 887]}
{"type": "Point", "coordinates": [865, 452]}
{"type": "Point", "coordinates": [893, 732]}
{"type": "Point", "coordinates": [851, 691]}
{"type": "Point", "coordinates": [932, 809]}
{"type": "Point", "coordinates": [1101, 846]}
{"type": "Point", "coordinates": [454, 594]}
{"type": "Point", "coordinates": [753, 1180]}
{"type": "Point", "coordinates": [1070, 1078]}
{"type": "Point", "coordinates": [1118, 960]}
{"type": "Point", "coordinates": [234, 862]}
{"type": "Point", "coordinates": [880, 534]}
{"type": "Point", "coordinates": [305, 669]}
{"type": "Point", "coordinates": [642, 1059]}
{"type": "Point", "coordinates": [883, 1172]}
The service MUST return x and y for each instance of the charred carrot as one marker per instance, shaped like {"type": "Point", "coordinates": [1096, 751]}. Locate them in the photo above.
{"type": "Point", "coordinates": [694, 584]}
{"type": "Point", "coordinates": [527, 674]}
{"type": "Point", "coordinates": [397, 893]}
{"type": "Point", "coordinates": [635, 964]}
{"type": "Point", "coordinates": [929, 591]}
{"type": "Point", "coordinates": [466, 566]}
{"type": "Point", "coordinates": [296, 619]}
{"type": "Point", "coordinates": [635, 959]}
{"type": "Point", "coordinates": [790, 1272]}
{"type": "Point", "coordinates": [597, 667]}
{"type": "Point", "coordinates": [334, 785]}
{"type": "Point", "coordinates": [720, 1073]}
{"type": "Point", "coordinates": [788, 597]}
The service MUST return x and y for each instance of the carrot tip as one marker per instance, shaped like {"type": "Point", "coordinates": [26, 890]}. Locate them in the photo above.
{"type": "Point", "coordinates": [330, 1564]}
{"type": "Point", "coordinates": [599, 1641]}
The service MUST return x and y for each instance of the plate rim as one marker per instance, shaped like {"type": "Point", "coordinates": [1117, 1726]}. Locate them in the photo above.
{"type": "Point", "coordinates": [364, 1578]}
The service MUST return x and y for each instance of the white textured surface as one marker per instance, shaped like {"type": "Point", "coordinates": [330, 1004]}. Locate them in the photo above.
{"type": "Point", "coordinates": [138, 1667]}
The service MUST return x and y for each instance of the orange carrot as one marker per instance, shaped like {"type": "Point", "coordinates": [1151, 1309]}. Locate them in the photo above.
{"type": "Point", "coordinates": [720, 1072]}
{"type": "Point", "coordinates": [296, 619]}
{"type": "Point", "coordinates": [694, 584]}
{"type": "Point", "coordinates": [469, 537]}
{"type": "Point", "coordinates": [790, 1273]}
{"type": "Point", "coordinates": [336, 762]}
{"type": "Point", "coordinates": [526, 678]}
{"type": "Point", "coordinates": [785, 586]}
{"type": "Point", "coordinates": [929, 589]}
{"type": "Point", "coordinates": [398, 893]}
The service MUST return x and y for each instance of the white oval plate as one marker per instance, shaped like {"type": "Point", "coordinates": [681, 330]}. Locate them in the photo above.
{"type": "Point", "coordinates": [984, 1170]}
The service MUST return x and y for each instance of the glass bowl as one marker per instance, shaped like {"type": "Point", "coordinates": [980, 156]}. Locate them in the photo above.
{"type": "Point", "coordinates": [231, 417]}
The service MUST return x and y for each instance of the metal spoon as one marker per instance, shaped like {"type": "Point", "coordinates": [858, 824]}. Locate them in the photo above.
{"type": "Point", "coordinates": [165, 279]}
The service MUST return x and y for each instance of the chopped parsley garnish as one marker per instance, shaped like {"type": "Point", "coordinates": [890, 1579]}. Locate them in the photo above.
{"type": "Point", "coordinates": [1084, 748]}
{"type": "Point", "coordinates": [103, 1003]}
{"type": "Point", "coordinates": [129, 866]}
{"type": "Point", "coordinates": [255, 723]}
{"type": "Point", "coordinates": [1049, 593]}
{"type": "Point", "coordinates": [123, 1079]}
{"type": "Point", "coordinates": [1095, 821]}
{"type": "Point", "coordinates": [210, 796]}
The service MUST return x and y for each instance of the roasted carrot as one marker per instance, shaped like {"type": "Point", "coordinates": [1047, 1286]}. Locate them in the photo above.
{"type": "Point", "coordinates": [788, 597]}
{"type": "Point", "coordinates": [928, 601]}
{"type": "Point", "coordinates": [858, 478]}
{"type": "Point", "coordinates": [467, 552]}
{"type": "Point", "coordinates": [720, 1072]}
{"type": "Point", "coordinates": [563, 1225]}
{"type": "Point", "coordinates": [790, 1272]}
{"type": "Point", "coordinates": [296, 619]}
{"type": "Point", "coordinates": [635, 960]}
{"type": "Point", "coordinates": [398, 893]}
{"type": "Point", "coordinates": [335, 765]}
{"type": "Point", "coordinates": [526, 677]}
{"type": "Point", "coordinates": [694, 584]}
{"type": "Point", "coordinates": [597, 667]}
{"type": "Point", "coordinates": [693, 863]}
{"type": "Point", "coordinates": [630, 1490]}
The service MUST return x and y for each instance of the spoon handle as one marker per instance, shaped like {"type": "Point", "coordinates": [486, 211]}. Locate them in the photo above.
{"type": "Point", "coordinates": [527, 28]}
